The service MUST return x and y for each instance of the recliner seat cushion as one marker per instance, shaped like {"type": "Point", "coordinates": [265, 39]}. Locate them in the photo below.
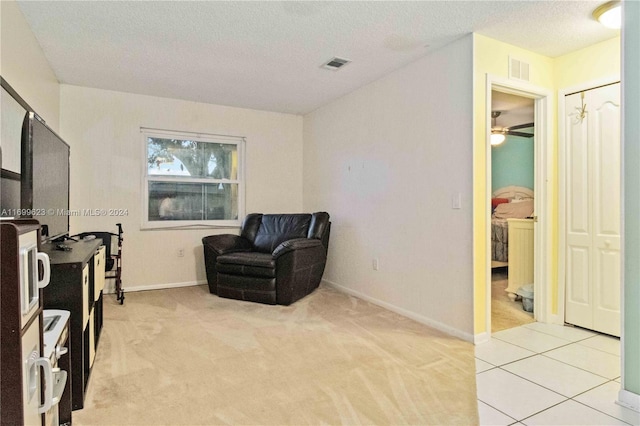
{"type": "Point", "coordinates": [277, 228]}
{"type": "Point", "coordinates": [251, 264]}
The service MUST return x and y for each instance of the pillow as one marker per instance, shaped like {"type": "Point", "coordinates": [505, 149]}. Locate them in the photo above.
{"type": "Point", "coordinates": [497, 201]}
{"type": "Point", "coordinates": [520, 210]}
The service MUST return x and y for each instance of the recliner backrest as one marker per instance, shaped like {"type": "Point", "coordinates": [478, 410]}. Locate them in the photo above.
{"type": "Point", "coordinates": [268, 231]}
{"type": "Point", "coordinates": [277, 228]}
{"type": "Point", "coordinates": [319, 225]}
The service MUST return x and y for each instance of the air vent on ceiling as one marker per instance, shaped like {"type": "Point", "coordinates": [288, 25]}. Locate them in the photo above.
{"type": "Point", "coordinates": [518, 69]}
{"type": "Point", "coordinates": [335, 64]}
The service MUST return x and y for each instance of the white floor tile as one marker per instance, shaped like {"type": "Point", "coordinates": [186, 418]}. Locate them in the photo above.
{"type": "Point", "coordinates": [530, 339]}
{"type": "Point", "coordinates": [489, 416]}
{"type": "Point", "coordinates": [564, 332]}
{"type": "Point", "coordinates": [603, 399]}
{"type": "Point", "coordinates": [483, 366]}
{"type": "Point", "coordinates": [603, 343]}
{"type": "Point", "coordinates": [555, 375]}
{"type": "Point", "coordinates": [512, 395]}
{"type": "Point", "coordinates": [497, 352]}
{"type": "Point", "coordinates": [571, 413]}
{"type": "Point", "coordinates": [592, 360]}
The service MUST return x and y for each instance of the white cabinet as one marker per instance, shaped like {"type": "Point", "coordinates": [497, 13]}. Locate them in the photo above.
{"type": "Point", "coordinates": [98, 268]}
{"type": "Point", "coordinates": [521, 256]}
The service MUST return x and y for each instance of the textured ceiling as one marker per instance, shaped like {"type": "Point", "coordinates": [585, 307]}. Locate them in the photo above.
{"type": "Point", "coordinates": [267, 55]}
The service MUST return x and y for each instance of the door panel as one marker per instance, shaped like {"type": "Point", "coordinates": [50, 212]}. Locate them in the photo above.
{"type": "Point", "coordinates": [577, 176]}
{"type": "Point", "coordinates": [31, 374]}
{"type": "Point", "coordinates": [578, 289]}
{"type": "Point", "coordinates": [606, 317]}
{"type": "Point", "coordinates": [606, 137]}
{"type": "Point", "coordinates": [578, 286]}
{"type": "Point", "coordinates": [593, 209]}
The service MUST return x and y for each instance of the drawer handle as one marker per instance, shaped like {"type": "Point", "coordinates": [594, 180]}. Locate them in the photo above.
{"type": "Point", "coordinates": [44, 258]}
{"type": "Point", "coordinates": [47, 374]}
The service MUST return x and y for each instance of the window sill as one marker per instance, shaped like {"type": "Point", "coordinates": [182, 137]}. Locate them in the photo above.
{"type": "Point", "coordinates": [164, 226]}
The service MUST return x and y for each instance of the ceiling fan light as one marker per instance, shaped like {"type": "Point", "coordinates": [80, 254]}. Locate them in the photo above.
{"type": "Point", "coordinates": [609, 14]}
{"type": "Point", "coordinates": [497, 138]}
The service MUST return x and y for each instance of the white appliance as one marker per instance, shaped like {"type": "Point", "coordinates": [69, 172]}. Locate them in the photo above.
{"type": "Point", "coordinates": [37, 370]}
{"type": "Point", "coordinates": [56, 333]}
{"type": "Point", "coordinates": [30, 284]}
{"type": "Point", "coordinates": [31, 366]}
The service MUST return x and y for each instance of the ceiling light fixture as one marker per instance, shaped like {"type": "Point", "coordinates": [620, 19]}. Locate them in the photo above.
{"type": "Point", "coordinates": [609, 14]}
{"type": "Point", "coordinates": [497, 138]}
{"type": "Point", "coordinates": [497, 135]}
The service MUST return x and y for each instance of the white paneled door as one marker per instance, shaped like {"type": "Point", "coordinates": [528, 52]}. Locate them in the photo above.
{"type": "Point", "coordinates": [593, 259]}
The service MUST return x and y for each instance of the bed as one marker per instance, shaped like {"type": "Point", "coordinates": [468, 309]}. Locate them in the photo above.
{"type": "Point", "coordinates": [511, 202]}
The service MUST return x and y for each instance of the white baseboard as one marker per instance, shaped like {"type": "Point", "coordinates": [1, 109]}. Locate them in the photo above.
{"type": "Point", "coordinates": [483, 337]}
{"type": "Point", "coordinates": [556, 319]}
{"type": "Point", "coordinates": [629, 400]}
{"type": "Point", "coordinates": [110, 289]}
{"type": "Point", "coordinates": [416, 317]}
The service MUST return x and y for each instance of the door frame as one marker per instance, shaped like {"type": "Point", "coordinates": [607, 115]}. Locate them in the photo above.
{"type": "Point", "coordinates": [543, 157]}
{"type": "Point", "coordinates": [562, 187]}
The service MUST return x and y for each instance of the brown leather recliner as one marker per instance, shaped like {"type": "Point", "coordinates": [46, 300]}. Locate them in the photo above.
{"type": "Point", "coordinates": [276, 259]}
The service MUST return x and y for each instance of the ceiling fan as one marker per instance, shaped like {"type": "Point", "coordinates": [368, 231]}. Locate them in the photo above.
{"type": "Point", "coordinates": [499, 134]}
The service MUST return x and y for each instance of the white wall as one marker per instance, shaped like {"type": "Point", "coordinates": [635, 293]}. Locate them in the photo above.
{"type": "Point", "coordinates": [385, 161]}
{"type": "Point", "coordinates": [103, 129]}
{"type": "Point", "coordinates": [24, 66]}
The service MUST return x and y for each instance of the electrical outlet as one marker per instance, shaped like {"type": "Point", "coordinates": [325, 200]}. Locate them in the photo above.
{"type": "Point", "coordinates": [180, 252]}
{"type": "Point", "coordinates": [375, 264]}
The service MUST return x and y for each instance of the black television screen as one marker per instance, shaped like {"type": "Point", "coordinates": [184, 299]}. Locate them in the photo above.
{"type": "Point", "coordinates": [45, 176]}
{"type": "Point", "coordinates": [9, 194]}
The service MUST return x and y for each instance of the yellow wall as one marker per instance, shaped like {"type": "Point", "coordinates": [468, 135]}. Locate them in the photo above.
{"type": "Point", "coordinates": [491, 57]}
{"type": "Point", "coordinates": [589, 64]}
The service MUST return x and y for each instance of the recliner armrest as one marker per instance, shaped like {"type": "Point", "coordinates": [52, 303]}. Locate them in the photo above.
{"type": "Point", "coordinates": [227, 243]}
{"type": "Point", "coordinates": [295, 244]}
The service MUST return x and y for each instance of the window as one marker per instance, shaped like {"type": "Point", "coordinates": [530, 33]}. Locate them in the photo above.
{"type": "Point", "coordinates": [192, 179]}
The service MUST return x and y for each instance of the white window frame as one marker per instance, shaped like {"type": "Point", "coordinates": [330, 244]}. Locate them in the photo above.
{"type": "Point", "coordinates": [239, 141]}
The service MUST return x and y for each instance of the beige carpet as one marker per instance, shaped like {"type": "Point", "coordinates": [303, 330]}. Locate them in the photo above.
{"type": "Point", "coordinates": [505, 314]}
{"type": "Point", "coordinates": [186, 357]}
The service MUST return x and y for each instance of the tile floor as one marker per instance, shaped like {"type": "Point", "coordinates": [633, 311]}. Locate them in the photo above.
{"type": "Point", "coordinates": [545, 374]}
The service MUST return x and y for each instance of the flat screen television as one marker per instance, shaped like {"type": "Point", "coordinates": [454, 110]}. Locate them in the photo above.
{"type": "Point", "coordinates": [9, 193]}
{"type": "Point", "coordinates": [45, 177]}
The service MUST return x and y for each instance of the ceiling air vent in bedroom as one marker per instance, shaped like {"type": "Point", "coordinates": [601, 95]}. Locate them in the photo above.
{"type": "Point", "coordinates": [335, 64]}
{"type": "Point", "coordinates": [518, 69]}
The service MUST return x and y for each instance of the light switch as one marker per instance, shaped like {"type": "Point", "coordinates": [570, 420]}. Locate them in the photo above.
{"type": "Point", "coordinates": [456, 201]}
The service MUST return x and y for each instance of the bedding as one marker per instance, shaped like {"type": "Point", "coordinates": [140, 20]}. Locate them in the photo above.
{"type": "Point", "coordinates": [518, 210]}
{"type": "Point", "coordinates": [495, 202]}
{"type": "Point", "coordinates": [499, 240]}
{"type": "Point", "coordinates": [518, 205]}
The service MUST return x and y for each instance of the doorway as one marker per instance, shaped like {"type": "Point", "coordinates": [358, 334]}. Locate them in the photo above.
{"type": "Point", "coordinates": [512, 210]}
{"type": "Point", "coordinates": [539, 219]}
